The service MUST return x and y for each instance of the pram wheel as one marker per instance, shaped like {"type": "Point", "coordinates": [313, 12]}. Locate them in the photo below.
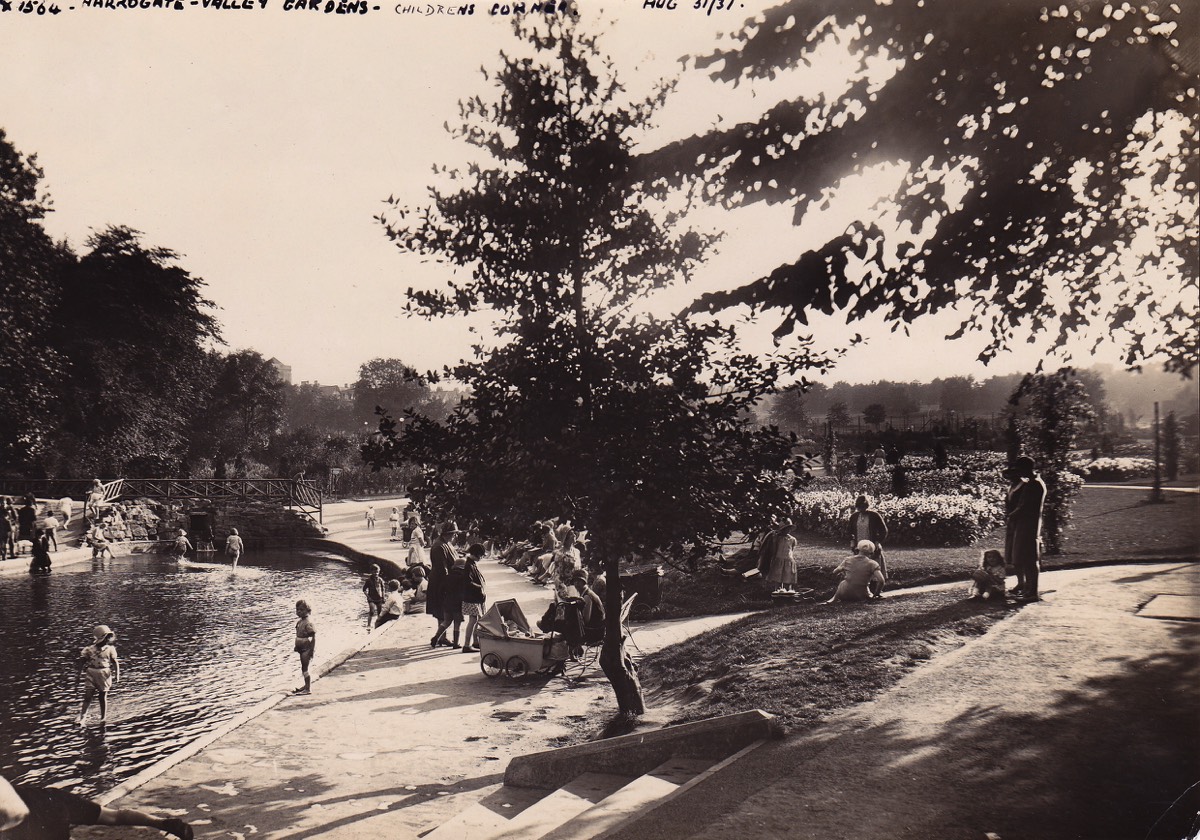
{"type": "Point", "coordinates": [517, 667]}
{"type": "Point", "coordinates": [491, 665]}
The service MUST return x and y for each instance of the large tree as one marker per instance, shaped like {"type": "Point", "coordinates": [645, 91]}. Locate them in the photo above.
{"type": "Point", "coordinates": [1049, 157]}
{"type": "Point", "coordinates": [394, 387]}
{"type": "Point", "coordinates": [30, 268]}
{"type": "Point", "coordinates": [243, 410]}
{"type": "Point", "coordinates": [133, 328]}
{"type": "Point", "coordinates": [634, 427]}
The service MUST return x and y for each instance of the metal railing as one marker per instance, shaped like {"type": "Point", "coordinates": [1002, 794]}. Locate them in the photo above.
{"type": "Point", "coordinates": [302, 495]}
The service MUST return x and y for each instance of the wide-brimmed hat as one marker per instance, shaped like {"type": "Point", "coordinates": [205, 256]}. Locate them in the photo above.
{"type": "Point", "coordinates": [1024, 465]}
{"type": "Point", "coordinates": [102, 632]}
{"type": "Point", "coordinates": [450, 527]}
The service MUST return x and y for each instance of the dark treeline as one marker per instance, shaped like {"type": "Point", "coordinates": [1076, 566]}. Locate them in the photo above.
{"type": "Point", "coordinates": [1119, 400]}
{"type": "Point", "coordinates": [112, 364]}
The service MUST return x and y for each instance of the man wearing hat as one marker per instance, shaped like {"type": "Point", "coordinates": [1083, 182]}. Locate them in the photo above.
{"type": "Point", "coordinates": [1023, 525]}
{"type": "Point", "coordinates": [441, 557]}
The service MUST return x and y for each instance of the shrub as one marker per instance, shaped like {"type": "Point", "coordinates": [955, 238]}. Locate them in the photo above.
{"type": "Point", "coordinates": [951, 481]}
{"type": "Point", "coordinates": [1116, 469]}
{"type": "Point", "coordinates": [940, 519]}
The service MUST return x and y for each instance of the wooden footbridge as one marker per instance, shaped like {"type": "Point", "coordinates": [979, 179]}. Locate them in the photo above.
{"type": "Point", "coordinates": [298, 494]}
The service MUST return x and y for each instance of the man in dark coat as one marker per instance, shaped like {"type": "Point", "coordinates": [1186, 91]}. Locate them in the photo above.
{"type": "Point", "coordinates": [1023, 525]}
{"type": "Point", "coordinates": [441, 558]}
{"type": "Point", "coordinates": [867, 524]}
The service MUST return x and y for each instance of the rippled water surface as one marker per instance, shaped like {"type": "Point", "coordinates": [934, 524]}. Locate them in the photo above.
{"type": "Point", "coordinates": [198, 645]}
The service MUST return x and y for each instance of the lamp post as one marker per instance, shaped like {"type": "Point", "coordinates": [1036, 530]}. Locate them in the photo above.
{"type": "Point", "coordinates": [1156, 493]}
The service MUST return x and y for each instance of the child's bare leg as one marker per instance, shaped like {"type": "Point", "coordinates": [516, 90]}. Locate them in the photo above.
{"type": "Point", "coordinates": [87, 701]}
{"type": "Point", "coordinates": [305, 658]}
{"type": "Point", "coordinates": [103, 697]}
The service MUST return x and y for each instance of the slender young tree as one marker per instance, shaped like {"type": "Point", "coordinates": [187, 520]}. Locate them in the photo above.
{"type": "Point", "coordinates": [635, 427]}
{"type": "Point", "coordinates": [1055, 410]}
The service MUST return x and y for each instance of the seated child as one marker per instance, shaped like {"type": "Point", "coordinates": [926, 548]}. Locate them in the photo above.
{"type": "Point", "coordinates": [419, 587]}
{"type": "Point", "coordinates": [392, 606]}
{"type": "Point", "coordinates": [987, 581]}
{"type": "Point", "coordinates": [862, 578]}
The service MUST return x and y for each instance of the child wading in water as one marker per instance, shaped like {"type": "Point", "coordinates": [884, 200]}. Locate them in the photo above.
{"type": "Point", "coordinates": [99, 662]}
{"type": "Point", "coordinates": [234, 547]}
{"type": "Point", "coordinates": [306, 644]}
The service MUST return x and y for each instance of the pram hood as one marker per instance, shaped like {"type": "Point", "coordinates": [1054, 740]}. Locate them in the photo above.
{"type": "Point", "coordinates": [493, 620]}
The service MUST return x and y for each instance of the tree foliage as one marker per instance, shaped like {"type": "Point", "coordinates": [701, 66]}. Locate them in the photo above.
{"type": "Point", "coordinates": [1051, 411]}
{"type": "Point", "coordinates": [789, 410]}
{"type": "Point", "coordinates": [243, 408]}
{"type": "Point", "coordinates": [132, 328]}
{"type": "Point", "coordinates": [30, 278]}
{"type": "Point", "coordinates": [838, 415]}
{"type": "Point", "coordinates": [1049, 156]}
{"type": "Point", "coordinates": [635, 427]}
{"type": "Point", "coordinates": [395, 387]}
{"type": "Point", "coordinates": [307, 406]}
{"type": "Point", "coordinates": [875, 414]}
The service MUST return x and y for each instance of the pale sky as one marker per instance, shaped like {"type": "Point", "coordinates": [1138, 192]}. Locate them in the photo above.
{"type": "Point", "coordinates": [260, 144]}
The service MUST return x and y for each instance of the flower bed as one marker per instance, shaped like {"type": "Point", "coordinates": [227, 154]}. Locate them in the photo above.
{"type": "Point", "coordinates": [940, 519]}
{"type": "Point", "coordinates": [952, 481]}
{"type": "Point", "coordinates": [1116, 469]}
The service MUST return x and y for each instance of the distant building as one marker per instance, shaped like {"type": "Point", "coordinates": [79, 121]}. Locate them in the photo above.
{"type": "Point", "coordinates": [345, 393]}
{"type": "Point", "coordinates": [284, 372]}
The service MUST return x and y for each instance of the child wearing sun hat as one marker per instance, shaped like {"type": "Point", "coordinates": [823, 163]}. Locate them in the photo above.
{"type": "Point", "coordinates": [99, 662]}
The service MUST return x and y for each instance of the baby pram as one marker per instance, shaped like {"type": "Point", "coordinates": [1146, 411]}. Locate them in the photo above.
{"type": "Point", "coordinates": [507, 645]}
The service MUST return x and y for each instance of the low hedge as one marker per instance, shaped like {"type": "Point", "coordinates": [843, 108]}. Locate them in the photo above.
{"type": "Point", "coordinates": [923, 519]}
{"type": "Point", "coordinates": [1116, 469]}
{"type": "Point", "coordinates": [952, 481]}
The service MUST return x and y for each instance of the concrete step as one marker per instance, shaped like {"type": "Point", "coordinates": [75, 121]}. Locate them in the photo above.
{"type": "Point", "coordinates": [559, 808]}
{"type": "Point", "coordinates": [631, 800]}
{"type": "Point", "coordinates": [476, 821]}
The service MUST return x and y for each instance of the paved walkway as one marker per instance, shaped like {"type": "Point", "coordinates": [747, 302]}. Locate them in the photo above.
{"type": "Point", "coordinates": [1077, 717]}
{"type": "Point", "coordinates": [395, 740]}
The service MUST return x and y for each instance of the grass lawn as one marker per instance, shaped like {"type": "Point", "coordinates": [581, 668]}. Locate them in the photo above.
{"type": "Point", "coordinates": [801, 662]}
{"type": "Point", "coordinates": [1107, 525]}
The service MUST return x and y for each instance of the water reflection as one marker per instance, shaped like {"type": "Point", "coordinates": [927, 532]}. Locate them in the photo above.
{"type": "Point", "coordinates": [198, 645]}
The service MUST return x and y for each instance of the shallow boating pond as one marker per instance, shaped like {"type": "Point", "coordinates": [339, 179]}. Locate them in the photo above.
{"type": "Point", "coordinates": [198, 645]}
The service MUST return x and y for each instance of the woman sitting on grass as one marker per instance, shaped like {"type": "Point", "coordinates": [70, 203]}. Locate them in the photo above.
{"type": "Point", "coordinates": [861, 578]}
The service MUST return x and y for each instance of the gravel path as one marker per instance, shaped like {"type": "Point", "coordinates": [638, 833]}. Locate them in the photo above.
{"type": "Point", "coordinates": [1076, 718]}
{"type": "Point", "coordinates": [392, 742]}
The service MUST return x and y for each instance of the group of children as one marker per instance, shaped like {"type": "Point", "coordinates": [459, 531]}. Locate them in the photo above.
{"type": "Point", "coordinates": [39, 529]}
{"type": "Point", "coordinates": [551, 555]}
{"type": "Point", "coordinates": [387, 600]}
{"type": "Point", "coordinates": [864, 573]}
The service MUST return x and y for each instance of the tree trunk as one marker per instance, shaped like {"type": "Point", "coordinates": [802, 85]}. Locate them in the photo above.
{"type": "Point", "coordinates": [615, 661]}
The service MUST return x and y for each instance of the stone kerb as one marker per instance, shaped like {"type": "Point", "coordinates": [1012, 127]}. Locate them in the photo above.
{"type": "Point", "coordinates": [638, 753]}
